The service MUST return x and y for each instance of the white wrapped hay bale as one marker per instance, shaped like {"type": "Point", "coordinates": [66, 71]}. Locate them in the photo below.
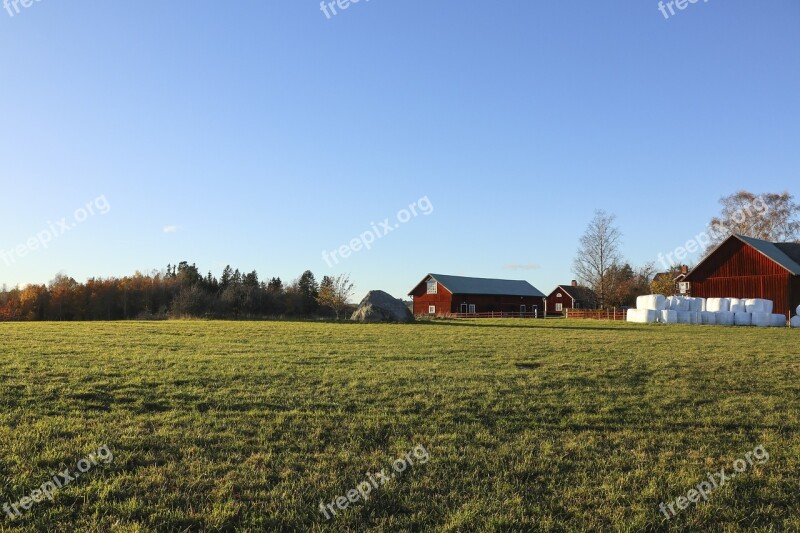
{"type": "Point", "coordinates": [778, 321]}
{"type": "Point", "coordinates": [738, 306]}
{"type": "Point", "coordinates": [715, 305]}
{"type": "Point", "coordinates": [697, 305]}
{"type": "Point", "coordinates": [725, 318]}
{"type": "Point", "coordinates": [642, 316]}
{"type": "Point", "coordinates": [796, 321]}
{"type": "Point", "coordinates": [752, 305]}
{"type": "Point", "coordinates": [684, 317]}
{"type": "Point", "coordinates": [696, 317]}
{"type": "Point", "coordinates": [743, 319]}
{"type": "Point", "coordinates": [668, 316]}
{"type": "Point", "coordinates": [709, 318]}
{"type": "Point", "coordinates": [757, 305]}
{"type": "Point", "coordinates": [657, 302]}
{"type": "Point", "coordinates": [798, 310]}
{"type": "Point", "coordinates": [762, 320]}
{"type": "Point", "coordinates": [769, 306]}
{"type": "Point", "coordinates": [672, 303]}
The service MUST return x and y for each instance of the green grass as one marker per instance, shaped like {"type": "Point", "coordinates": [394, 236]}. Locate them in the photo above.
{"type": "Point", "coordinates": [529, 425]}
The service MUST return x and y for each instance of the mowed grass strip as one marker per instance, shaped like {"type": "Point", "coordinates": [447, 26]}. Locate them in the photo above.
{"type": "Point", "coordinates": [530, 425]}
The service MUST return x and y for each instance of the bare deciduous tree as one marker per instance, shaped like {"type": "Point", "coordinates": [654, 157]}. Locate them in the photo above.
{"type": "Point", "coordinates": [769, 216]}
{"type": "Point", "coordinates": [335, 293]}
{"type": "Point", "coordinates": [598, 254]}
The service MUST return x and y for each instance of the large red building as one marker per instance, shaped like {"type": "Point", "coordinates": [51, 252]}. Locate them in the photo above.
{"type": "Point", "coordinates": [440, 295]}
{"type": "Point", "coordinates": [744, 267]}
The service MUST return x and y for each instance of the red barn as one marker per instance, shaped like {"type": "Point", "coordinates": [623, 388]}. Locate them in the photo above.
{"type": "Point", "coordinates": [439, 295]}
{"type": "Point", "coordinates": [570, 297]}
{"type": "Point", "coordinates": [744, 267]}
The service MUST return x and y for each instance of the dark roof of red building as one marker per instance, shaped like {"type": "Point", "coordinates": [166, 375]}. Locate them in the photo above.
{"type": "Point", "coordinates": [485, 286]}
{"type": "Point", "coordinates": [582, 294]}
{"type": "Point", "coordinates": [785, 254]}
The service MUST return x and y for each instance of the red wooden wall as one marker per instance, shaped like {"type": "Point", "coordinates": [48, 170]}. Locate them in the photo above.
{"type": "Point", "coordinates": [553, 299]}
{"type": "Point", "coordinates": [442, 300]}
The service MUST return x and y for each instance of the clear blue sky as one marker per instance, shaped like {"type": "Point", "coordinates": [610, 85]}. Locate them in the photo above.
{"type": "Point", "coordinates": [265, 133]}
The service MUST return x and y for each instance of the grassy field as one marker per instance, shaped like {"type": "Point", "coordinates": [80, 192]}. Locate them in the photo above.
{"type": "Point", "coordinates": [527, 425]}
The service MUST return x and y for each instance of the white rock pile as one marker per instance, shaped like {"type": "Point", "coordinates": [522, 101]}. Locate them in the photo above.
{"type": "Point", "coordinates": [656, 308]}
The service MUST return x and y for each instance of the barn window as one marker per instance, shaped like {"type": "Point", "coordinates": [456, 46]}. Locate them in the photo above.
{"type": "Point", "coordinates": [431, 309]}
{"type": "Point", "coordinates": [559, 308]}
{"type": "Point", "coordinates": [558, 295]}
{"type": "Point", "coordinates": [433, 287]}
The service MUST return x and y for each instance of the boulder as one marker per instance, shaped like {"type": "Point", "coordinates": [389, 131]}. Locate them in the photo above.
{"type": "Point", "coordinates": [379, 306]}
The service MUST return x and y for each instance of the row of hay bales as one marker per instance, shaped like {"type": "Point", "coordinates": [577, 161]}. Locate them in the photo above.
{"type": "Point", "coordinates": [657, 308]}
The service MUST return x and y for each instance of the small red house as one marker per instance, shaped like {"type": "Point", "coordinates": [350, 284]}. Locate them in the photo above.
{"type": "Point", "coordinates": [744, 267]}
{"type": "Point", "coordinates": [570, 297]}
{"type": "Point", "coordinates": [440, 295]}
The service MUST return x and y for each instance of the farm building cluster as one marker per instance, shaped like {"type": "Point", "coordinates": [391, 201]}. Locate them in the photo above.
{"type": "Point", "coordinates": [755, 279]}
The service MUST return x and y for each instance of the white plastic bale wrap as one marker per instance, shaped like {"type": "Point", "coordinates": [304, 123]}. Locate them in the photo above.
{"type": "Point", "coordinates": [769, 306]}
{"type": "Point", "coordinates": [684, 317]}
{"type": "Point", "coordinates": [709, 318]}
{"type": "Point", "coordinates": [778, 321]}
{"type": "Point", "coordinates": [796, 321]}
{"type": "Point", "coordinates": [743, 319]}
{"type": "Point", "coordinates": [752, 305]}
{"type": "Point", "coordinates": [762, 320]}
{"type": "Point", "coordinates": [798, 310]}
{"type": "Point", "coordinates": [668, 316]}
{"type": "Point", "coordinates": [715, 305]}
{"type": "Point", "coordinates": [697, 305]}
{"type": "Point", "coordinates": [657, 302]}
{"type": "Point", "coordinates": [725, 318]}
{"type": "Point", "coordinates": [642, 316]}
{"type": "Point", "coordinates": [738, 306]}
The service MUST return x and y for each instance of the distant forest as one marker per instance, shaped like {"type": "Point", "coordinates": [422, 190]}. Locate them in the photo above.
{"type": "Point", "coordinates": [179, 292]}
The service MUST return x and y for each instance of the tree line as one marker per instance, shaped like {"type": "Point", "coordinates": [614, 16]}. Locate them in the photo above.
{"type": "Point", "coordinates": [179, 292]}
